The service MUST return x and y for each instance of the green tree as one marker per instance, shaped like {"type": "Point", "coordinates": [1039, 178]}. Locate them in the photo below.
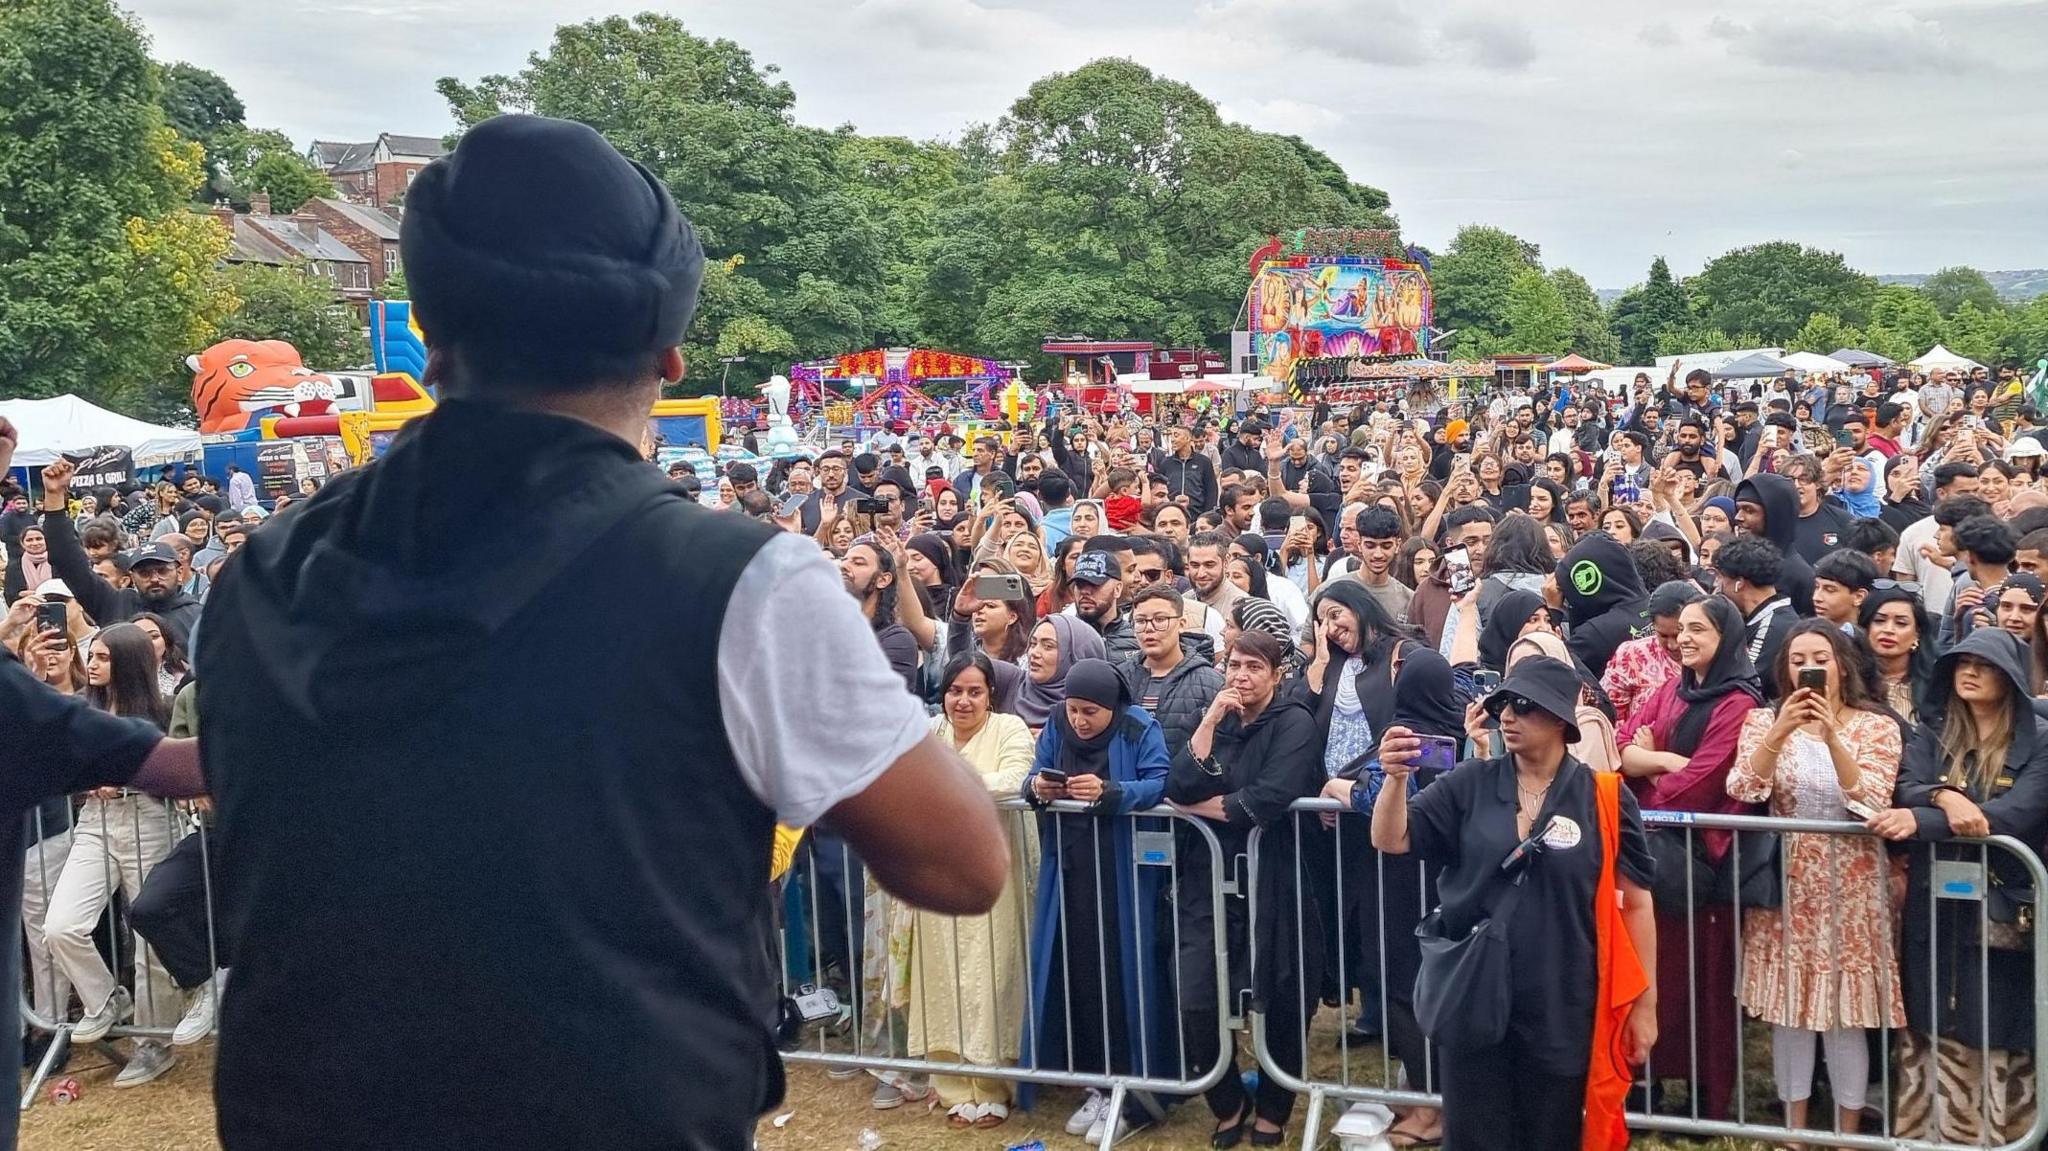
{"type": "Point", "coordinates": [1979, 333]}
{"type": "Point", "coordinates": [1644, 313]}
{"type": "Point", "coordinates": [1697, 336]}
{"type": "Point", "coordinates": [1771, 290]}
{"type": "Point", "coordinates": [2027, 339]}
{"type": "Point", "coordinates": [1951, 287]}
{"type": "Point", "coordinates": [393, 287]}
{"type": "Point", "coordinates": [285, 303]}
{"type": "Point", "coordinates": [1538, 320]}
{"type": "Point", "coordinates": [1590, 335]}
{"type": "Point", "coordinates": [104, 276]}
{"type": "Point", "coordinates": [1472, 280]}
{"type": "Point", "coordinates": [201, 106]}
{"type": "Point", "coordinates": [1822, 334]}
{"type": "Point", "coordinates": [262, 160]}
{"type": "Point", "coordinates": [1904, 323]}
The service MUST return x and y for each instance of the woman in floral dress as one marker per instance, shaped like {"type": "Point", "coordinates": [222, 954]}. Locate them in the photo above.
{"type": "Point", "coordinates": [1824, 967]}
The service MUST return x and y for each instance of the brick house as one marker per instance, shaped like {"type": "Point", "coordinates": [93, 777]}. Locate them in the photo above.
{"type": "Point", "coordinates": [258, 237]}
{"type": "Point", "coordinates": [376, 172]}
{"type": "Point", "coordinates": [371, 233]}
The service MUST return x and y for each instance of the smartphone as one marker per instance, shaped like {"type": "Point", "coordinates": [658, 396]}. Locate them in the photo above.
{"type": "Point", "coordinates": [790, 503]}
{"type": "Point", "coordinates": [52, 616]}
{"type": "Point", "coordinates": [1815, 678]}
{"type": "Point", "coordinates": [1054, 775]}
{"type": "Point", "coordinates": [1296, 523]}
{"type": "Point", "coordinates": [1485, 682]}
{"type": "Point", "coordinates": [1458, 570]}
{"type": "Point", "coordinates": [1001, 585]}
{"type": "Point", "coordinates": [1843, 439]}
{"type": "Point", "coordinates": [1439, 753]}
{"type": "Point", "coordinates": [869, 507]}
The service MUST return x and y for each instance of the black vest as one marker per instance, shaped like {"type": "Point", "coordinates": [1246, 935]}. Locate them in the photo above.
{"type": "Point", "coordinates": [525, 913]}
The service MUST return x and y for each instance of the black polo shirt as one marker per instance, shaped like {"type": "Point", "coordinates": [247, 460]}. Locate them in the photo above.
{"type": "Point", "coordinates": [1465, 822]}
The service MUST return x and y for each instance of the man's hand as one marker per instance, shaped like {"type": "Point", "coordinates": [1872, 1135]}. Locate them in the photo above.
{"type": "Point", "coordinates": [57, 485]}
{"type": "Point", "coordinates": [1276, 448]}
{"type": "Point", "coordinates": [10, 439]}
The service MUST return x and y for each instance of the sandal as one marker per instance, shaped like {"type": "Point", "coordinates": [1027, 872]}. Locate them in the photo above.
{"type": "Point", "coordinates": [1406, 1140]}
{"type": "Point", "coordinates": [963, 1115]}
{"type": "Point", "coordinates": [992, 1115]}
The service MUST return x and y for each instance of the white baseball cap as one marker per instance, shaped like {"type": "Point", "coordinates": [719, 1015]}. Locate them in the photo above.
{"type": "Point", "coordinates": [50, 587]}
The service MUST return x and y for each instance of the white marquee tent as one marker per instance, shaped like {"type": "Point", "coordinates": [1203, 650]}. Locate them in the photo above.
{"type": "Point", "coordinates": [1941, 357]}
{"type": "Point", "coordinates": [49, 428]}
{"type": "Point", "coordinates": [1815, 362]}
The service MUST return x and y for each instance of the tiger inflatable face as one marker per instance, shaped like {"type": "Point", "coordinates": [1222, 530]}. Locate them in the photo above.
{"type": "Point", "coordinates": [235, 378]}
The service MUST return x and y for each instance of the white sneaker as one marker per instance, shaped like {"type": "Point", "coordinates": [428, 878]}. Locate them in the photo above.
{"type": "Point", "coordinates": [1125, 1128]}
{"type": "Point", "coordinates": [199, 1018]}
{"type": "Point", "coordinates": [94, 1027]}
{"type": "Point", "coordinates": [150, 1059]}
{"type": "Point", "coordinates": [1084, 1120]}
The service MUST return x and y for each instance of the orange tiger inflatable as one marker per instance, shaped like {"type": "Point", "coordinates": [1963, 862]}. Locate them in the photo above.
{"type": "Point", "coordinates": [235, 378]}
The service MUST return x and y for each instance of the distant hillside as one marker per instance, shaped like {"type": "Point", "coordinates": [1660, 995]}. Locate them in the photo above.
{"type": "Point", "coordinates": [2018, 286]}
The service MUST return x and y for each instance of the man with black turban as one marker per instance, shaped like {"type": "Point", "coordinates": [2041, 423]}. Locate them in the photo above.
{"type": "Point", "coordinates": [500, 726]}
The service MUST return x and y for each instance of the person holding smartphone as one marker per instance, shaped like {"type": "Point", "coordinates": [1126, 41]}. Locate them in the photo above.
{"type": "Point", "coordinates": [1821, 970]}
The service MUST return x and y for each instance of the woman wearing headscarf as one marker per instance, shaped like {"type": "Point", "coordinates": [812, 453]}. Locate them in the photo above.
{"type": "Point", "coordinates": [1370, 673]}
{"type": "Point", "coordinates": [1677, 751]}
{"type": "Point", "coordinates": [1058, 642]}
{"type": "Point", "coordinates": [1093, 982]}
{"type": "Point", "coordinates": [1254, 614]}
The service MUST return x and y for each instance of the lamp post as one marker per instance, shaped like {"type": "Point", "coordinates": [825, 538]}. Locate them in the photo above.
{"type": "Point", "coordinates": [728, 361]}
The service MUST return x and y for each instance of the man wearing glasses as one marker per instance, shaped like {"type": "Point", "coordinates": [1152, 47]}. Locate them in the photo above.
{"type": "Point", "coordinates": [1162, 677]}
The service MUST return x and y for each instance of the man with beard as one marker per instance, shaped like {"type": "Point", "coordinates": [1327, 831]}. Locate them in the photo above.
{"type": "Point", "coordinates": [1301, 481]}
{"type": "Point", "coordinates": [870, 575]}
{"type": "Point", "coordinates": [1242, 453]}
{"type": "Point", "coordinates": [1688, 452]}
{"type": "Point", "coordinates": [1208, 572]}
{"type": "Point", "coordinates": [152, 570]}
{"type": "Point", "coordinates": [1098, 600]}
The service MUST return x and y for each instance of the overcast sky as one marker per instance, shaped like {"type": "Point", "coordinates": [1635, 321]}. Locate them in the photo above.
{"type": "Point", "coordinates": [1907, 136]}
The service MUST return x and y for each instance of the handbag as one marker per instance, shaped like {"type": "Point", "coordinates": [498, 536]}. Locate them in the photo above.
{"type": "Point", "coordinates": [1760, 884]}
{"type": "Point", "coordinates": [2009, 916]}
{"type": "Point", "coordinates": [1463, 988]}
{"type": "Point", "coordinates": [1683, 871]}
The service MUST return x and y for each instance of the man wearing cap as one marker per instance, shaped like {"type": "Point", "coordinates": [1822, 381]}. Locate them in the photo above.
{"type": "Point", "coordinates": [1098, 600]}
{"type": "Point", "coordinates": [439, 833]}
{"type": "Point", "coordinates": [153, 569]}
{"type": "Point", "coordinates": [53, 745]}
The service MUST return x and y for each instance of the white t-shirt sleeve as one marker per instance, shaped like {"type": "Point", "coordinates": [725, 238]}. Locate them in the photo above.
{"type": "Point", "coordinates": [812, 709]}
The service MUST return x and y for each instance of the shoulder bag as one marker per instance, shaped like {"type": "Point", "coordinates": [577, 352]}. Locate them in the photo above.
{"type": "Point", "coordinates": [1463, 988]}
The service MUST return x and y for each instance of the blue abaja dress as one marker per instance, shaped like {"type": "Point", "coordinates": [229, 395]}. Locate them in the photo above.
{"type": "Point", "coordinates": [1073, 851]}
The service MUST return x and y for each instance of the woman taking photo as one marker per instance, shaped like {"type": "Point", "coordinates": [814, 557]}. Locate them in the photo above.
{"type": "Point", "coordinates": [1822, 969]}
{"type": "Point", "coordinates": [1677, 750]}
{"type": "Point", "coordinates": [1252, 756]}
{"type": "Point", "coordinates": [967, 972]}
{"type": "Point", "coordinates": [1094, 987]}
{"type": "Point", "coordinates": [119, 837]}
{"type": "Point", "coordinates": [1535, 822]}
{"type": "Point", "coordinates": [1975, 768]}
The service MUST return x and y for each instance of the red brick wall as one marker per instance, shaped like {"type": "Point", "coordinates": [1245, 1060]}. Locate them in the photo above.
{"type": "Point", "coordinates": [392, 181]}
{"type": "Point", "coordinates": [359, 239]}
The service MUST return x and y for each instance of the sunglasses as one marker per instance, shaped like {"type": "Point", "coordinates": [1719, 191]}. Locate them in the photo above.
{"type": "Point", "coordinates": [1901, 585]}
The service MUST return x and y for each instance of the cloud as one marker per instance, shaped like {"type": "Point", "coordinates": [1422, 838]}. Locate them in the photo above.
{"type": "Point", "coordinates": [1390, 35]}
{"type": "Point", "coordinates": [945, 25]}
{"type": "Point", "coordinates": [1658, 35]}
{"type": "Point", "coordinates": [1292, 117]}
{"type": "Point", "coordinates": [1497, 42]}
{"type": "Point", "coordinates": [1874, 42]}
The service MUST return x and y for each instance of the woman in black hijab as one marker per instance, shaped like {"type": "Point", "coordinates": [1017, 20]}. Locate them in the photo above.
{"type": "Point", "coordinates": [1509, 621]}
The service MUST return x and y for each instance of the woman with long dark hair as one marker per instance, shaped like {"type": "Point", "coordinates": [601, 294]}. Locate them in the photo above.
{"type": "Point", "coordinates": [1677, 750]}
{"type": "Point", "coordinates": [1371, 672]}
{"type": "Point", "coordinates": [172, 670]}
{"type": "Point", "coordinates": [1252, 756]}
{"type": "Point", "coordinates": [1058, 597]}
{"type": "Point", "coordinates": [120, 836]}
{"type": "Point", "coordinates": [1416, 560]}
{"type": "Point", "coordinates": [1821, 970]}
{"type": "Point", "coordinates": [1902, 636]}
{"type": "Point", "coordinates": [1974, 769]}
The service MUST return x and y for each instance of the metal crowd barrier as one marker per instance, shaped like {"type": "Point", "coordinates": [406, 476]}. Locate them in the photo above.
{"type": "Point", "coordinates": [109, 848]}
{"type": "Point", "coordinates": [1957, 887]}
{"type": "Point", "coordinates": [943, 977]}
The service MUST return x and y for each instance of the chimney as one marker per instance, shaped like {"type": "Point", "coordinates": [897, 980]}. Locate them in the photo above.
{"type": "Point", "coordinates": [259, 204]}
{"type": "Point", "coordinates": [309, 226]}
{"type": "Point", "coordinates": [225, 214]}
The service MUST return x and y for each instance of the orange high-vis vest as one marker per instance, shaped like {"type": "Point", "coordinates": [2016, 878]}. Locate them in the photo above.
{"type": "Point", "coordinates": [1622, 981]}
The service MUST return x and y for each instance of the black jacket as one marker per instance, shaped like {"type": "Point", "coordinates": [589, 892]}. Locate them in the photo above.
{"type": "Point", "coordinates": [1237, 457]}
{"type": "Point", "coordinates": [1604, 599]}
{"type": "Point", "coordinates": [104, 602]}
{"type": "Point", "coordinates": [1780, 501]}
{"type": "Point", "coordinates": [1183, 699]}
{"type": "Point", "coordinates": [1322, 489]}
{"type": "Point", "coordinates": [1194, 477]}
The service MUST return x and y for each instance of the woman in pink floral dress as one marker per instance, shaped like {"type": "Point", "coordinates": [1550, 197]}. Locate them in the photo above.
{"type": "Point", "coordinates": [1824, 969]}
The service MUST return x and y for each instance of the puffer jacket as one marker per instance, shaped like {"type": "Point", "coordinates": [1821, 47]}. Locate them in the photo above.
{"type": "Point", "coordinates": [1183, 699]}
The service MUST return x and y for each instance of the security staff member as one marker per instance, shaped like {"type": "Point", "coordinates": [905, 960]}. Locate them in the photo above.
{"type": "Point", "coordinates": [472, 788]}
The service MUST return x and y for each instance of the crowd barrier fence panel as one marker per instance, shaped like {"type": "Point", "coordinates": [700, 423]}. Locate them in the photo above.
{"type": "Point", "coordinates": [1958, 871]}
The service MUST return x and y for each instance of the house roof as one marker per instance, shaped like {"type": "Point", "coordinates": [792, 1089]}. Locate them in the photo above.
{"type": "Point", "coordinates": [382, 225]}
{"type": "Point", "coordinates": [302, 239]}
{"type": "Point", "coordinates": [428, 146]}
{"type": "Point", "coordinates": [327, 153]}
{"type": "Point", "coordinates": [249, 244]}
{"type": "Point", "coordinates": [349, 157]}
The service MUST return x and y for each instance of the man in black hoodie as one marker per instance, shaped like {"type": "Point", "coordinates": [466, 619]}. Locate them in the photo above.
{"type": "Point", "coordinates": [1767, 505]}
{"type": "Point", "coordinates": [1603, 598]}
{"type": "Point", "coordinates": [438, 828]}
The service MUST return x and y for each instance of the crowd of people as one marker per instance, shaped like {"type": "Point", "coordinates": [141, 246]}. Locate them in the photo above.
{"type": "Point", "coordinates": [1499, 630]}
{"type": "Point", "coordinates": [1816, 599]}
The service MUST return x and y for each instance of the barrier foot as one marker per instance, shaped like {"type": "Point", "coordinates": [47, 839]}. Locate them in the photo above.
{"type": "Point", "coordinates": [1115, 1114]}
{"type": "Point", "coordinates": [1312, 1124]}
{"type": "Point", "coordinates": [60, 1046]}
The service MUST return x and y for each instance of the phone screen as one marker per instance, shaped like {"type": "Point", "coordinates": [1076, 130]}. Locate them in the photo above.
{"type": "Point", "coordinates": [51, 616]}
{"type": "Point", "coordinates": [1458, 570]}
{"type": "Point", "coordinates": [1439, 753]}
{"type": "Point", "coordinates": [790, 503]}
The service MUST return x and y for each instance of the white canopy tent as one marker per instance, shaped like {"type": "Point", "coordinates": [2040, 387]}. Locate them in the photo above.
{"type": "Point", "coordinates": [1814, 362]}
{"type": "Point", "coordinates": [1940, 357]}
{"type": "Point", "coordinates": [49, 428]}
